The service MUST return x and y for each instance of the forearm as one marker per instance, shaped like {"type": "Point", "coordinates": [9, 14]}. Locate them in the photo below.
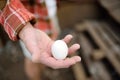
{"type": "Point", "coordinates": [26, 30]}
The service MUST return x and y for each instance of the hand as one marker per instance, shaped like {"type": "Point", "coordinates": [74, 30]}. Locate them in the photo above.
{"type": "Point", "coordinates": [39, 45]}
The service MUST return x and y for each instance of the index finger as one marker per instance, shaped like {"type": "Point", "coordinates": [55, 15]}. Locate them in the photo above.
{"type": "Point", "coordinates": [67, 38]}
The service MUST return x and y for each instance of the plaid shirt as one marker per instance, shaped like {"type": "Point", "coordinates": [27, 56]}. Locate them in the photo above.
{"type": "Point", "coordinates": [38, 8]}
{"type": "Point", "coordinates": [14, 17]}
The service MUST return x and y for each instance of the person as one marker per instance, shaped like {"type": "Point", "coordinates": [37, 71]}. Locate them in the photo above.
{"type": "Point", "coordinates": [44, 22]}
{"type": "Point", "coordinates": [18, 24]}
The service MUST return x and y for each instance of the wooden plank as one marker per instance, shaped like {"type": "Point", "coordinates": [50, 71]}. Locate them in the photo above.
{"type": "Point", "coordinates": [98, 54]}
{"type": "Point", "coordinates": [113, 7]}
{"type": "Point", "coordinates": [109, 54]}
{"type": "Point", "coordinates": [78, 69]}
{"type": "Point", "coordinates": [87, 50]}
{"type": "Point", "coordinates": [101, 71]}
{"type": "Point", "coordinates": [95, 67]}
{"type": "Point", "coordinates": [110, 4]}
{"type": "Point", "coordinates": [105, 27]}
{"type": "Point", "coordinates": [79, 72]}
{"type": "Point", "coordinates": [80, 27]}
{"type": "Point", "coordinates": [110, 41]}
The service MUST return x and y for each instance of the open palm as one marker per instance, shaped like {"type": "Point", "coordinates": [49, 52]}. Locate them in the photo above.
{"type": "Point", "coordinates": [39, 45]}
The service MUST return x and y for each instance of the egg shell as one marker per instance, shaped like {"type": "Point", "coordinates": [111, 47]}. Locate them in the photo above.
{"type": "Point", "coordinates": [59, 49]}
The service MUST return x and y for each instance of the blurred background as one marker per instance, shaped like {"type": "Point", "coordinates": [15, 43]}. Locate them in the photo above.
{"type": "Point", "coordinates": [95, 25]}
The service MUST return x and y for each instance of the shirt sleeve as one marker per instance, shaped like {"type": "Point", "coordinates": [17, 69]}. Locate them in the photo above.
{"type": "Point", "coordinates": [14, 17]}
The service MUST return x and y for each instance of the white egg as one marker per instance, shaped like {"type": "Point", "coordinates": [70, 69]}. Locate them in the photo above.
{"type": "Point", "coordinates": [59, 49]}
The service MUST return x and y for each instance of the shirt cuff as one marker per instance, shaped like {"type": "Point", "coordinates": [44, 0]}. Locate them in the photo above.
{"type": "Point", "coordinates": [14, 17]}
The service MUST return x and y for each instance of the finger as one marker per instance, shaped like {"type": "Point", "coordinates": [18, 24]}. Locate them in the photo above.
{"type": "Point", "coordinates": [63, 63]}
{"type": "Point", "coordinates": [71, 61]}
{"type": "Point", "coordinates": [73, 48]}
{"type": "Point", "coordinates": [68, 38]}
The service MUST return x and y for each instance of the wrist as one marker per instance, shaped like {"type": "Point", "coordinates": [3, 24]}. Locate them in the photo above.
{"type": "Point", "coordinates": [25, 31]}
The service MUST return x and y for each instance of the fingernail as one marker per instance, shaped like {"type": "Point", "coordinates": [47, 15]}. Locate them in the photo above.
{"type": "Point", "coordinates": [70, 36]}
{"type": "Point", "coordinates": [77, 46]}
{"type": "Point", "coordinates": [78, 58]}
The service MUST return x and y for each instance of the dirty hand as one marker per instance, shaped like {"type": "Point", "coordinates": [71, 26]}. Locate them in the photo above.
{"type": "Point", "coordinates": [39, 45]}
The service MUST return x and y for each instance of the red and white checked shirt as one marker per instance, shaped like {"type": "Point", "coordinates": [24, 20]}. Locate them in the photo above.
{"type": "Point", "coordinates": [14, 17]}
{"type": "Point", "coordinates": [38, 8]}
